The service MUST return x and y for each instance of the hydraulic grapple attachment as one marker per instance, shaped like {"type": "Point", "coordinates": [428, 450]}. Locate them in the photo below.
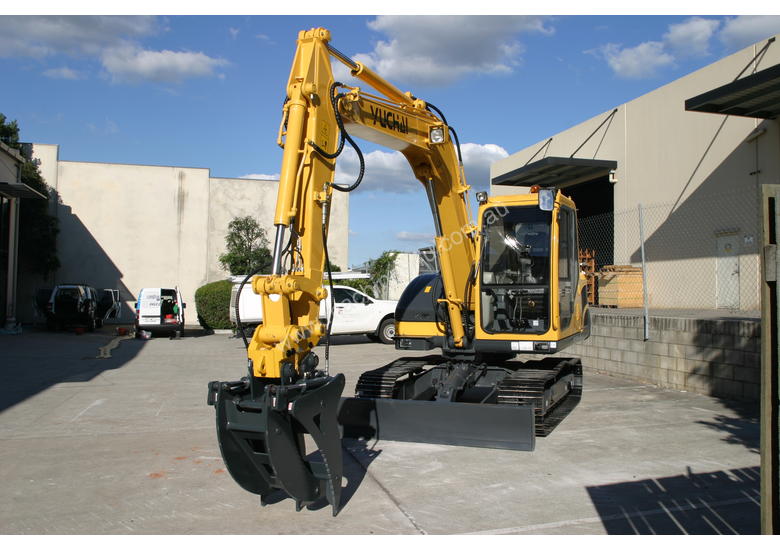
{"type": "Point", "coordinates": [261, 430]}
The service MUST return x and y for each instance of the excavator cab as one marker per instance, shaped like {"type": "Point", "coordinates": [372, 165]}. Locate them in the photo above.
{"type": "Point", "coordinates": [528, 289]}
{"type": "Point", "coordinates": [531, 289]}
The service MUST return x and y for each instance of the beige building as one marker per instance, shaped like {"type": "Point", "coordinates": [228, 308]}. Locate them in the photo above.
{"type": "Point", "coordinates": [133, 226]}
{"type": "Point", "coordinates": [691, 178]}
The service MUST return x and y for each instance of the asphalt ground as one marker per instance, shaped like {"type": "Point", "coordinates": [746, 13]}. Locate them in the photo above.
{"type": "Point", "coordinates": [126, 444]}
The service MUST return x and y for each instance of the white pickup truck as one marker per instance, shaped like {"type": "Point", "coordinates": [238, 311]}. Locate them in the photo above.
{"type": "Point", "coordinates": [355, 312]}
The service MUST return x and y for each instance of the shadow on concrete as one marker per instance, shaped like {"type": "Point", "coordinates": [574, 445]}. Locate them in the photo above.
{"type": "Point", "coordinates": [710, 503]}
{"type": "Point", "coordinates": [188, 332]}
{"type": "Point", "coordinates": [743, 428]}
{"type": "Point", "coordinates": [357, 456]}
{"type": "Point", "coordinates": [37, 360]}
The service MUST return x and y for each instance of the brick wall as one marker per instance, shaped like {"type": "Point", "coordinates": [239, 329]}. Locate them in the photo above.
{"type": "Point", "coordinates": [718, 357]}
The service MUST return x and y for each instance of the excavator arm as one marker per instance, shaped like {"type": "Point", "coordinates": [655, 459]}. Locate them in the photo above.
{"type": "Point", "coordinates": [262, 418]}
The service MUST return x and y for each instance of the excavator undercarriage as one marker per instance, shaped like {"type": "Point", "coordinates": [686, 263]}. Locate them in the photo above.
{"type": "Point", "coordinates": [435, 400]}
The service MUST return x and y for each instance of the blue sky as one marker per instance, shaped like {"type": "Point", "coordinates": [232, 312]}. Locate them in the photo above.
{"type": "Point", "coordinates": [207, 91]}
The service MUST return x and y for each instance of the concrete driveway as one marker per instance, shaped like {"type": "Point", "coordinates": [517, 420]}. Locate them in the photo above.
{"type": "Point", "coordinates": [126, 444]}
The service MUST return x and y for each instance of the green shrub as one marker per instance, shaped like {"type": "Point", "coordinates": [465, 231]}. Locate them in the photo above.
{"type": "Point", "coordinates": [213, 303]}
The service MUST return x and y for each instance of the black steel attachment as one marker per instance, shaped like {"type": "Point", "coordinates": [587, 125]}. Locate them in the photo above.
{"type": "Point", "coordinates": [261, 427]}
{"type": "Point", "coordinates": [439, 422]}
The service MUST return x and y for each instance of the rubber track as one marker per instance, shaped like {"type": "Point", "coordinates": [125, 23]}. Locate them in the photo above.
{"type": "Point", "coordinates": [380, 383]}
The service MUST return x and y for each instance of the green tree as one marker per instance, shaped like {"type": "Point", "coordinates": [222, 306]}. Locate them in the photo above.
{"type": "Point", "coordinates": [247, 248]}
{"type": "Point", "coordinates": [334, 268]}
{"type": "Point", "coordinates": [380, 271]}
{"type": "Point", "coordinates": [38, 229]}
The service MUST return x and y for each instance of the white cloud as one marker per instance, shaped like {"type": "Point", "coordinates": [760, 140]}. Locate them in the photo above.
{"type": "Point", "coordinates": [641, 61]}
{"type": "Point", "coordinates": [233, 32]}
{"type": "Point", "coordinates": [385, 171]}
{"type": "Point", "coordinates": [390, 172]}
{"type": "Point", "coordinates": [691, 37]}
{"type": "Point", "coordinates": [476, 163]}
{"type": "Point", "coordinates": [111, 38]}
{"type": "Point", "coordinates": [744, 30]}
{"type": "Point", "coordinates": [132, 64]}
{"type": "Point", "coordinates": [64, 73]}
{"type": "Point", "coordinates": [438, 50]}
{"type": "Point", "coordinates": [45, 35]}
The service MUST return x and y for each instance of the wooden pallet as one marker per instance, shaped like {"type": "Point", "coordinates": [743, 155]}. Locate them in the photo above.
{"type": "Point", "coordinates": [620, 286]}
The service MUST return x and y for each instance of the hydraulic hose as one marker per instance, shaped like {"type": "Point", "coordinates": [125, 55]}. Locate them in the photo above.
{"type": "Point", "coordinates": [343, 135]}
{"type": "Point", "coordinates": [238, 301]}
{"type": "Point", "coordinates": [330, 296]}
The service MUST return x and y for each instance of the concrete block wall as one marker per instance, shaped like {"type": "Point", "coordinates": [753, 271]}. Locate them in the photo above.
{"type": "Point", "coordinates": [718, 357]}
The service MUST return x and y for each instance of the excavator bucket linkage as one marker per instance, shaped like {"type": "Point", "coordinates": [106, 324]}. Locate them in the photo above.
{"type": "Point", "coordinates": [261, 427]}
{"type": "Point", "coordinates": [431, 400]}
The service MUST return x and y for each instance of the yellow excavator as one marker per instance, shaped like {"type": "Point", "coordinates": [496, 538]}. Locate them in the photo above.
{"type": "Point", "coordinates": [509, 284]}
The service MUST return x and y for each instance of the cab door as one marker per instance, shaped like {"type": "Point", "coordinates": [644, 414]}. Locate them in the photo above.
{"type": "Point", "coordinates": [568, 271]}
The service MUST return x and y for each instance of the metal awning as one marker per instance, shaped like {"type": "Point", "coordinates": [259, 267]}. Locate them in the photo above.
{"type": "Point", "coordinates": [19, 190]}
{"type": "Point", "coordinates": [757, 96]}
{"type": "Point", "coordinates": [556, 172]}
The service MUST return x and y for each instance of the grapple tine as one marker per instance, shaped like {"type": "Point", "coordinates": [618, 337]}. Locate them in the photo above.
{"type": "Point", "coordinates": [317, 411]}
{"type": "Point", "coordinates": [241, 444]}
{"type": "Point", "coordinates": [288, 460]}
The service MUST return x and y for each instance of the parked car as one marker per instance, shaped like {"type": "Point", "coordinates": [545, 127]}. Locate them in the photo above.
{"type": "Point", "coordinates": [354, 312]}
{"type": "Point", "coordinates": [159, 310]}
{"type": "Point", "coordinates": [79, 304]}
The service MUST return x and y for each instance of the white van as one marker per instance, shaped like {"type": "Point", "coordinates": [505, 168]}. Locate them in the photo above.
{"type": "Point", "coordinates": [160, 310]}
{"type": "Point", "coordinates": [355, 312]}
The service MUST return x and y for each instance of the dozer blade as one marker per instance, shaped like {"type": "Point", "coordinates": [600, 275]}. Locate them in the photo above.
{"type": "Point", "coordinates": [261, 438]}
{"type": "Point", "coordinates": [444, 423]}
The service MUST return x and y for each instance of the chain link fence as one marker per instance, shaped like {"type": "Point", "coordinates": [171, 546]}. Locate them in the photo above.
{"type": "Point", "coordinates": [701, 253]}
